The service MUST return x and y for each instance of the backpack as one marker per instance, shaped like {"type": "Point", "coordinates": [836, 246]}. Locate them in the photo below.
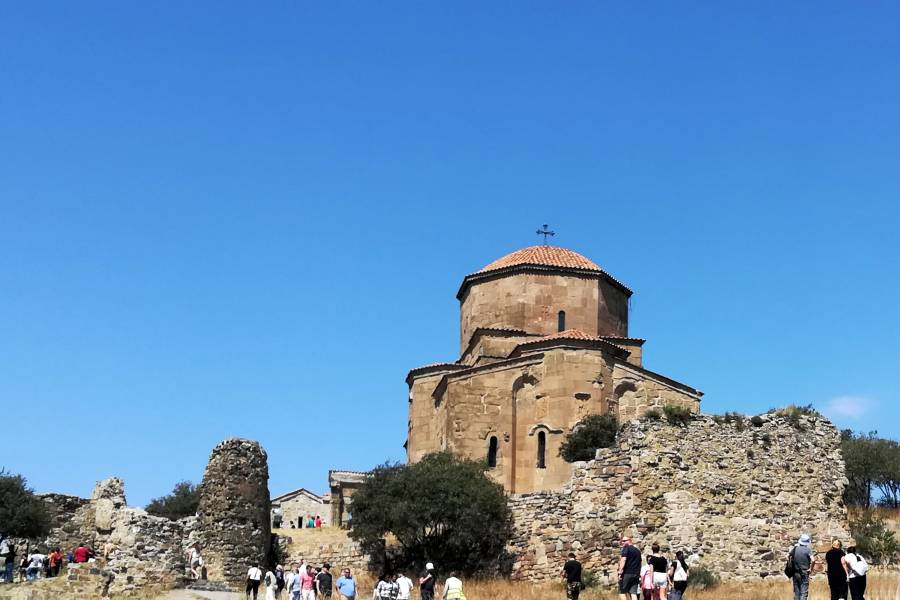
{"type": "Point", "coordinates": [862, 567]}
{"type": "Point", "coordinates": [789, 567]}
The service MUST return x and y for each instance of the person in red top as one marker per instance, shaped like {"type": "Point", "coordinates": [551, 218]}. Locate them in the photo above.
{"type": "Point", "coordinates": [55, 561]}
{"type": "Point", "coordinates": [81, 554]}
{"type": "Point", "coordinates": [318, 521]}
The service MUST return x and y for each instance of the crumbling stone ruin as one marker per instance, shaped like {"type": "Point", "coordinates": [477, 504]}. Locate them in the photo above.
{"type": "Point", "coordinates": [233, 519]}
{"type": "Point", "coordinates": [733, 495]}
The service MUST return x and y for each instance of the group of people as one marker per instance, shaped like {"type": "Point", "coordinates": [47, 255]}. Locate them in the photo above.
{"type": "Point", "coordinates": [34, 564]}
{"type": "Point", "coordinates": [305, 582]}
{"type": "Point", "coordinates": [846, 570]}
{"type": "Point", "coordinates": [310, 522]}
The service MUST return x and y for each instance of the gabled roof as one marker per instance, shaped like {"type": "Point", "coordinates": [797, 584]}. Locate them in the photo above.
{"type": "Point", "coordinates": [336, 477]}
{"type": "Point", "coordinates": [571, 337]}
{"type": "Point", "coordinates": [546, 259]}
{"type": "Point", "coordinates": [298, 492]}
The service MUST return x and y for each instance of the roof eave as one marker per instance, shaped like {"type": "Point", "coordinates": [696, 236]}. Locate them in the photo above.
{"type": "Point", "coordinates": [468, 280]}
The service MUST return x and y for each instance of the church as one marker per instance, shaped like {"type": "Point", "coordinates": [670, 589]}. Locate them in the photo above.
{"type": "Point", "coordinates": [544, 342]}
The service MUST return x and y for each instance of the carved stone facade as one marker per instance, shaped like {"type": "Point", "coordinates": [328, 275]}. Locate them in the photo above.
{"type": "Point", "coordinates": [544, 342]}
{"type": "Point", "coordinates": [732, 496]}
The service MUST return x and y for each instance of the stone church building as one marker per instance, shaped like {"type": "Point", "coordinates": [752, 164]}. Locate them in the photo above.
{"type": "Point", "coordinates": [544, 342]}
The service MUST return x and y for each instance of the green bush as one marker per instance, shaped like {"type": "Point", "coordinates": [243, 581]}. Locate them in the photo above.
{"type": "Point", "coordinates": [590, 579]}
{"type": "Point", "coordinates": [731, 417]}
{"type": "Point", "coordinates": [702, 578]}
{"type": "Point", "coordinates": [442, 509]}
{"type": "Point", "coordinates": [677, 415]}
{"type": "Point", "coordinates": [874, 539]}
{"type": "Point", "coordinates": [22, 514]}
{"type": "Point", "coordinates": [653, 413]}
{"type": "Point", "coordinates": [182, 502]}
{"type": "Point", "coordinates": [756, 421]}
{"type": "Point", "coordinates": [591, 433]}
{"type": "Point", "coordinates": [793, 412]}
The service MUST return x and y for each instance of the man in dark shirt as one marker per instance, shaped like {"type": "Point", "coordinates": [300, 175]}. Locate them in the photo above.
{"type": "Point", "coordinates": [572, 573]}
{"type": "Point", "coordinates": [323, 581]}
{"type": "Point", "coordinates": [629, 570]}
{"type": "Point", "coordinates": [426, 583]}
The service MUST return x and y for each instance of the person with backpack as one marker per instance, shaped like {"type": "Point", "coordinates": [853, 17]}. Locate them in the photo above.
{"type": "Point", "coordinates": [678, 575]}
{"type": "Point", "coordinates": [836, 571]}
{"type": "Point", "coordinates": [800, 563]}
{"type": "Point", "coordinates": [856, 567]}
{"type": "Point", "coordinates": [647, 590]}
{"type": "Point", "coordinates": [271, 586]}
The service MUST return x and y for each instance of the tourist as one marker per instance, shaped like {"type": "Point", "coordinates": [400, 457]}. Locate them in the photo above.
{"type": "Point", "coordinates": [293, 582]}
{"type": "Point", "coordinates": [254, 576]}
{"type": "Point", "coordinates": [647, 581]}
{"type": "Point", "coordinates": [346, 586]}
{"type": "Point", "coordinates": [571, 571]}
{"type": "Point", "coordinates": [404, 587]}
{"type": "Point", "coordinates": [23, 566]}
{"type": "Point", "coordinates": [629, 570]}
{"type": "Point", "coordinates": [660, 572]}
{"type": "Point", "coordinates": [81, 554]}
{"type": "Point", "coordinates": [6, 547]}
{"type": "Point", "coordinates": [279, 580]}
{"type": "Point", "coordinates": [9, 572]}
{"type": "Point", "coordinates": [804, 561]}
{"type": "Point", "coordinates": [310, 522]}
{"type": "Point", "coordinates": [453, 588]}
{"type": "Point", "coordinates": [54, 561]}
{"type": "Point", "coordinates": [386, 588]}
{"type": "Point", "coordinates": [307, 583]}
{"type": "Point", "coordinates": [195, 560]}
{"type": "Point", "coordinates": [678, 576]}
{"type": "Point", "coordinates": [857, 567]}
{"type": "Point", "coordinates": [35, 566]}
{"type": "Point", "coordinates": [426, 582]}
{"type": "Point", "coordinates": [318, 521]}
{"type": "Point", "coordinates": [836, 571]}
{"type": "Point", "coordinates": [271, 586]}
{"type": "Point", "coordinates": [324, 581]}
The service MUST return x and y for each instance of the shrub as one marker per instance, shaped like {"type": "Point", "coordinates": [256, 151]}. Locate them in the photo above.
{"type": "Point", "coordinates": [653, 413]}
{"type": "Point", "coordinates": [591, 433]}
{"type": "Point", "coordinates": [677, 415]}
{"type": "Point", "coordinates": [590, 579]}
{"type": "Point", "coordinates": [731, 417]}
{"type": "Point", "coordinates": [442, 509]}
{"type": "Point", "coordinates": [756, 421]}
{"type": "Point", "coordinates": [874, 539]}
{"type": "Point", "coordinates": [702, 578]}
{"type": "Point", "coordinates": [182, 502]}
{"type": "Point", "coordinates": [793, 412]}
{"type": "Point", "coordinates": [22, 514]}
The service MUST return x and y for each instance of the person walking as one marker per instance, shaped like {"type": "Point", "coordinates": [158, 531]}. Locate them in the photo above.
{"type": "Point", "coordinates": [293, 582]}
{"type": "Point", "coordinates": [647, 581]}
{"type": "Point", "coordinates": [254, 576]}
{"type": "Point", "coordinates": [324, 582]}
{"type": "Point", "coordinates": [346, 585]}
{"type": "Point", "coordinates": [453, 588]}
{"type": "Point", "coordinates": [571, 572]}
{"type": "Point", "coordinates": [404, 587]}
{"type": "Point", "coordinates": [629, 571]}
{"type": "Point", "coordinates": [54, 561]}
{"type": "Point", "coordinates": [426, 582]}
{"type": "Point", "coordinates": [307, 583]}
{"type": "Point", "coordinates": [836, 571]}
{"type": "Point", "coordinates": [660, 572]}
{"type": "Point", "coordinates": [804, 561]}
{"type": "Point", "coordinates": [678, 576]}
{"type": "Point", "coordinates": [35, 566]}
{"type": "Point", "coordinates": [6, 546]}
{"type": "Point", "coordinates": [271, 586]}
{"type": "Point", "coordinates": [856, 567]}
{"type": "Point", "coordinates": [9, 571]}
{"type": "Point", "coordinates": [384, 590]}
{"type": "Point", "coordinates": [195, 560]}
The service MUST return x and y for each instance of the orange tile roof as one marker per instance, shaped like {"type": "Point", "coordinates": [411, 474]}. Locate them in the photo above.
{"type": "Point", "coordinates": [569, 334]}
{"type": "Point", "coordinates": [550, 256]}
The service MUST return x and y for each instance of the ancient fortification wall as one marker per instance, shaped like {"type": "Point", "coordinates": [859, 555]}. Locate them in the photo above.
{"type": "Point", "coordinates": [335, 548]}
{"type": "Point", "coordinates": [733, 496]}
{"type": "Point", "coordinates": [233, 525]}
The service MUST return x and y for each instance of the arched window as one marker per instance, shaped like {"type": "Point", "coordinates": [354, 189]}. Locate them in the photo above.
{"type": "Point", "coordinates": [542, 451]}
{"type": "Point", "coordinates": [492, 452]}
{"type": "Point", "coordinates": [561, 321]}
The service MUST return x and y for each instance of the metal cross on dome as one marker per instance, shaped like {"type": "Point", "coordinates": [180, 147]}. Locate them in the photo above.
{"type": "Point", "coordinates": [546, 233]}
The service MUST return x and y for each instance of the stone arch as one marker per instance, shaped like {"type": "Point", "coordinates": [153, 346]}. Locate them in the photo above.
{"type": "Point", "coordinates": [523, 386]}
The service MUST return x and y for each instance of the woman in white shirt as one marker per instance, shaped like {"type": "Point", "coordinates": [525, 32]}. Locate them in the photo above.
{"type": "Point", "coordinates": [856, 568]}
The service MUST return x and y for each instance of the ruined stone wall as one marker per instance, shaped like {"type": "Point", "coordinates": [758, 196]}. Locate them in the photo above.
{"type": "Point", "coordinates": [233, 524]}
{"type": "Point", "coordinates": [335, 548]}
{"type": "Point", "coordinates": [733, 496]}
{"type": "Point", "coordinates": [635, 390]}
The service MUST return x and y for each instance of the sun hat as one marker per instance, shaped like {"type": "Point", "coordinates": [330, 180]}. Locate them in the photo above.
{"type": "Point", "coordinates": [429, 566]}
{"type": "Point", "coordinates": [804, 540]}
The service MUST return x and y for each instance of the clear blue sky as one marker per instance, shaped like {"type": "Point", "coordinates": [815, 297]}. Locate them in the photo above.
{"type": "Point", "coordinates": [239, 219]}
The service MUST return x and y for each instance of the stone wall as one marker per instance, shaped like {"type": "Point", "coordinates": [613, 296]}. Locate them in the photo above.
{"type": "Point", "coordinates": [335, 548]}
{"type": "Point", "coordinates": [233, 525]}
{"type": "Point", "coordinates": [733, 496]}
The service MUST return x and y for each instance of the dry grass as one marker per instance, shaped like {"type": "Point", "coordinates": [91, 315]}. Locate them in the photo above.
{"type": "Point", "coordinates": [881, 586]}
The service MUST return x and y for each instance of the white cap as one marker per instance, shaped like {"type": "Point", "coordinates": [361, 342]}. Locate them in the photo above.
{"type": "Point", "coordinates": [429, 566]}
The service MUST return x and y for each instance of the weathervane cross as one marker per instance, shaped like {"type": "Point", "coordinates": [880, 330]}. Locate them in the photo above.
{"type": "Point", "coordinates": [546, 233]}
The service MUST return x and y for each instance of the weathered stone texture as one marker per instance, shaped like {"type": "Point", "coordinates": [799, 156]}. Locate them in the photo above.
{"type": "Point", "coordinates": [338, 550]}
{"type": "Point", "coordinates": [233, 519]}
{"type": "Point", "coordinates": [732, 496]}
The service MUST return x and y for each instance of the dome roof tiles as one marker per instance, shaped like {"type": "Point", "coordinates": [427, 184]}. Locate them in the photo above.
{"type": "Point", "coordinates": [548, 256]}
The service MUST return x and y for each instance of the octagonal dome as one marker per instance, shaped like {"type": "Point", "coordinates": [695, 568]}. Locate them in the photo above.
{"type": "Point", "coordinates": [546, 256]}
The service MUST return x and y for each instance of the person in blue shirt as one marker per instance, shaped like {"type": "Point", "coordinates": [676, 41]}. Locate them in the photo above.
{"type": "Point", "coordinates": [346, 585]}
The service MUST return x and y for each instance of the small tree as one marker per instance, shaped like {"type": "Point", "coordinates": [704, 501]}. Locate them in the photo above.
{"type": "Point", "coordinates": [182, 502]}
{"type": "Point", "coordinates": [22, 514]}
{"type": "Point", "coordinates": [591, 433]}
{"type": "Point", "coordinates": [442, 509]}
